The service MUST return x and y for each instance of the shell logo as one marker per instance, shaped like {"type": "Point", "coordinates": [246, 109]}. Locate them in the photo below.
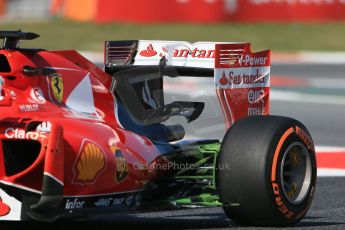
{"type": "Point", "coordinates": [90, 163]}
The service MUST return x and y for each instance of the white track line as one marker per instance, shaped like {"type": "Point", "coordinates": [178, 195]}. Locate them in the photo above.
{"type": "Point", "coordinates": [321, 57]}
{"type": "Point", "coordinates": [331, 149]}
{"type": "Point", "coordinates": [280, 95]}
{"type": "Point", "coordinates": [327, 172]}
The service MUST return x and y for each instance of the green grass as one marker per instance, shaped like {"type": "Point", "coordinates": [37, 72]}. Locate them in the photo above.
{"type": "Point", "coordinates": [60, 34]}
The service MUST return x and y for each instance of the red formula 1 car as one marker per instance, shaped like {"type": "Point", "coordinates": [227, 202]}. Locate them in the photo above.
{"type": "Point", "coordinates": [75, 139]}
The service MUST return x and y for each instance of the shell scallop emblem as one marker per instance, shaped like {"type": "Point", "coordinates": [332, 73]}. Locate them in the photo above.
{"type": "Point", "coordinates": [90, 163]}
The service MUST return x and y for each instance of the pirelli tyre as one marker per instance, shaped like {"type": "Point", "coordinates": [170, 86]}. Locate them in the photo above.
{"type": "Point", "coordinates": [266, 171]}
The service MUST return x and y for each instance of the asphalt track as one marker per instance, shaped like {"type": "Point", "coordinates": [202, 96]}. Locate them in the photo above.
{"type": "Point", "coordinates": [326, 212]}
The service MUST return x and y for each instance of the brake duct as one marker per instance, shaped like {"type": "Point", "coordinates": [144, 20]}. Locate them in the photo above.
{"type": "Point", "coordinates": [49, 206]}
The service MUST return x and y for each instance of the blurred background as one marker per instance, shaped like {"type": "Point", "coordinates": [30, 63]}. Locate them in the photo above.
{"type": "Point", "coordinates": [306, 38]}
{"type": "Point", "coordinates": [280, 25]}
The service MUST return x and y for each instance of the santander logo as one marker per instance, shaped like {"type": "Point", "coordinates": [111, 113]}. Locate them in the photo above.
{"type": "Point", "coordinates": [223, 80]}
{"type": "Point", "coordinates": [234, 78]}
{"type": "Point", "coordinates": [149, 52]}
{"type": "Point", "coordinates": [179, 52]}
{"type": "Point", "coordinates": [4, 208]}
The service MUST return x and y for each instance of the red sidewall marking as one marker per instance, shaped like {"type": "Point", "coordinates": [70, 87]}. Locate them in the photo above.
{"type": "Point", "coordinates": [277, 151]}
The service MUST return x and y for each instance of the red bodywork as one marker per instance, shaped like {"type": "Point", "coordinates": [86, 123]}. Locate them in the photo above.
{"type": "Point", "coordinates": [79, 151]}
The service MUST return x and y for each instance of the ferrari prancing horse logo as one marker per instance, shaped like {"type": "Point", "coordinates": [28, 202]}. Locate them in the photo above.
{"type": "Point", "coordinates": [56, 84]}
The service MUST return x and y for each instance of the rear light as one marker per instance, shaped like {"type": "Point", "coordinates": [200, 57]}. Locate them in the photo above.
{"type": "Point", "coordinates": [119, 52]}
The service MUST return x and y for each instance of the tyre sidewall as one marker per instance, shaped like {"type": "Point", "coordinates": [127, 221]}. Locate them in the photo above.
{"type": "Point", "coordinates": [285, 209]}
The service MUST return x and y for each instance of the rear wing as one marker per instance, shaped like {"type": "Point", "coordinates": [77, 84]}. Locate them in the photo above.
{"type": "Point", "coordinates": [242, 80]}
{"type": "Point", "coordinates": [241, 77]}
{"type": "Point", "coordinates": [144, 52]}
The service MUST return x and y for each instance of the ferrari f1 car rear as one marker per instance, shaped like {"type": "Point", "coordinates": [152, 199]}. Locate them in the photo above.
{"type": "Point", "coordinates": [77, 140]}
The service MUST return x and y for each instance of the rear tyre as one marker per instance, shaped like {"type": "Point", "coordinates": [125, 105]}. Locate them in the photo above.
{"type": "Point", "coordinates": [266, 171]}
